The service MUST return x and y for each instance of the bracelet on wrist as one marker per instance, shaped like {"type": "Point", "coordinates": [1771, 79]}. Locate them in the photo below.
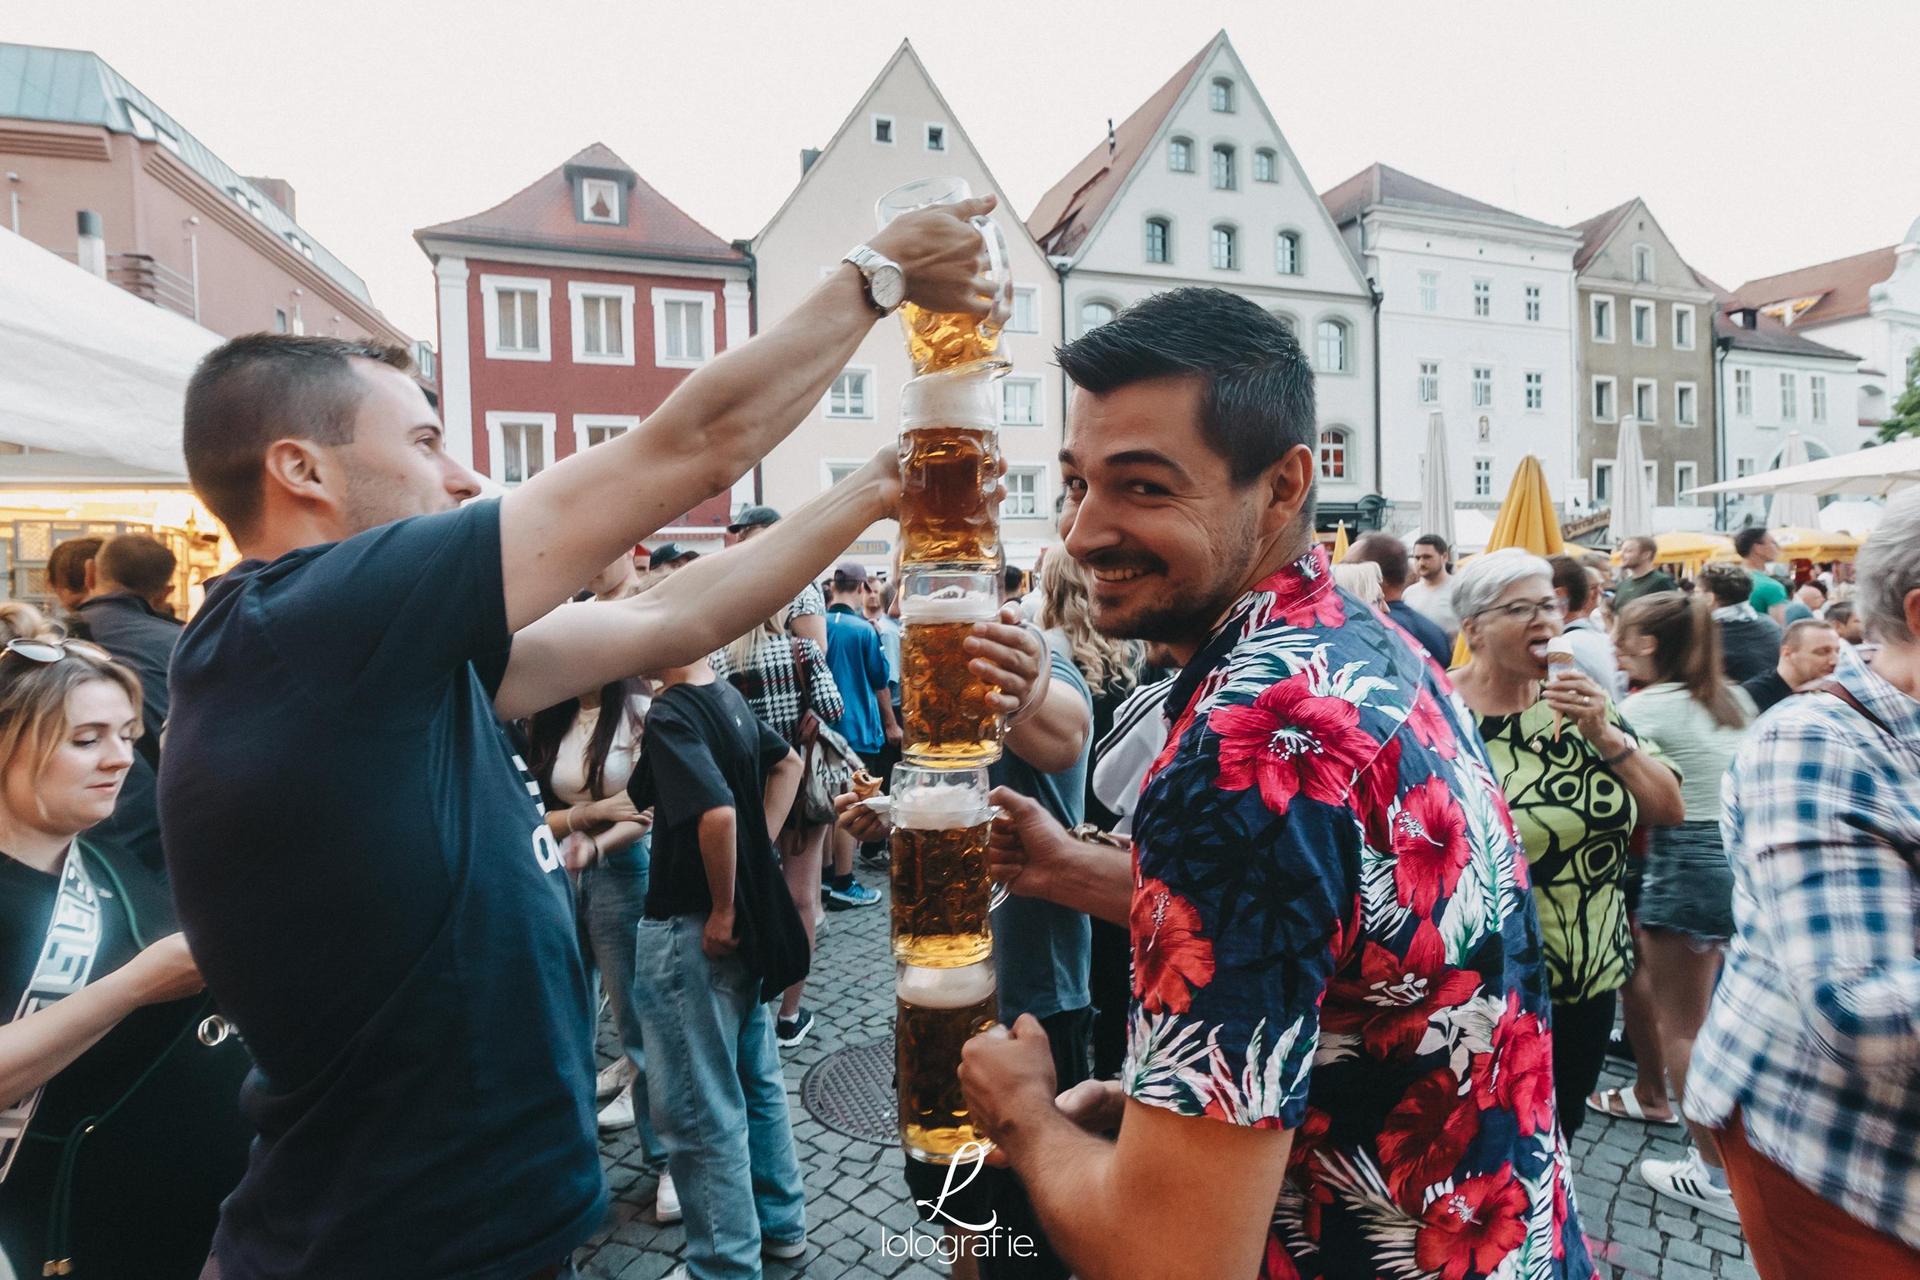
{"type": "Point", "coordinates": [1621, 755]}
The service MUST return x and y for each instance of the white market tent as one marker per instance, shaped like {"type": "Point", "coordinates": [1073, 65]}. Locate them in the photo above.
{"type": "Point", "coordinates": [87, 368]}
{"type": "Point", "coordinates": [1873, 473]}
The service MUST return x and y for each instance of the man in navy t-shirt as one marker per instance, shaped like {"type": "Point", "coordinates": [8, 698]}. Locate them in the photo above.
{"type": "Point", "coordinates": [358, 858]}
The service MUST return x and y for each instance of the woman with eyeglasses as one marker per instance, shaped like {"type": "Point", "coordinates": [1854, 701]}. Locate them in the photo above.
{"type": "Point", "coordinates": [1576, 781]}
{"type": "Point", "coordinates": [121, 1131]}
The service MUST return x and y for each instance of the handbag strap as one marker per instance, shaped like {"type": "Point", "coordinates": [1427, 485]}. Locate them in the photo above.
{"type": "Point", "coordinates": [1846, 695]}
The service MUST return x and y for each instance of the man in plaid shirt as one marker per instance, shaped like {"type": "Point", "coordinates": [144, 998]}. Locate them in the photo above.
{"type": "Point", "coordinates": [1809, 1064]}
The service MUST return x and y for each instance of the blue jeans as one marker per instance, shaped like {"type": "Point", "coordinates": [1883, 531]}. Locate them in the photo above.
{"type": "Point", "coordinates": [612, 895]}
{"type": "Point", "coordinates": [719, 1101]}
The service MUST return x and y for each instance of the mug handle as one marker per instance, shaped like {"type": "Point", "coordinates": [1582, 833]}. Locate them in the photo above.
{"type": "Point", "coordinates": [999, 272]}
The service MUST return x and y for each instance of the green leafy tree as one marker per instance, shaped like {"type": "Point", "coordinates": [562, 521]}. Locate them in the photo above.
{"type": "Point", "coordinates": [1905, 418]}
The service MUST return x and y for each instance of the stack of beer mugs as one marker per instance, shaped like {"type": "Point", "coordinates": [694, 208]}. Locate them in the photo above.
{"type": "Point", "coordinates": [950, 564]}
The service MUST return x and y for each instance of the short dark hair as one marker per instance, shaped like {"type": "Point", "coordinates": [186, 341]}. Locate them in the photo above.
{"type": "Point", "coordinates": [1727, 583]}
{"type": "Point", "coordinates": [141, 564]}
{"type": "Point", "coordinates": [1013, 578]}
{"type": "Point", "coordinates": [1747, 539]}
{"type": "Point", "coordinates": [1386, 551]}
{"type": "Point", "coordinates": [1437, 542]}
{"type": "Point", "coordinates": [1257, 402]}
{"type": "Point", "coordinates": [1838, 612]}
{"type": "Point", "coordinates": [263, 387]}
{"type": "Point", "coordinates": [67, 562]}
{"type": "Point", "coordinates": [1570, 576]}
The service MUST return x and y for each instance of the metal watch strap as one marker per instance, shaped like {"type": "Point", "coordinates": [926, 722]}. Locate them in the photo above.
{"type": "Point", "coordinates": [1092, 834]}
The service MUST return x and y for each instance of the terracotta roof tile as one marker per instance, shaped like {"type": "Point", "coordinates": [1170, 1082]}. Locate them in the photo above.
{"type": "Point", "coordinates": [1596, 231]}
{"type": "Point", "coordinates": [1383, 184]}
{"type": "Point", "coordinates": [1069, 211]}
{"type": "Point", "coordinates": [1841, 286]}
{"type": "Point", "coordinates": [542, 217]}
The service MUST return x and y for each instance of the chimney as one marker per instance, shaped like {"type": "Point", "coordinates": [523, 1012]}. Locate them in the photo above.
{"type": "Point", "coordinates": [92, 251]}
{"type": "Point", "coordinates": [278, 190]}
{"type": "Point", "coordinates": [1113, 140]}
{"type": "Point", "coordinates": [807, 156]}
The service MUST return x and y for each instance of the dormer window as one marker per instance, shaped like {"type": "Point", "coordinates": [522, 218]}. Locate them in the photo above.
{"type": "Point", "coordinates": [599, 200]}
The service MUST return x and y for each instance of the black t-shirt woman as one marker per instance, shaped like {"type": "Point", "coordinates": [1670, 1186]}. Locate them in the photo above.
{"type": "Point", "coordinates": [121, 1130]}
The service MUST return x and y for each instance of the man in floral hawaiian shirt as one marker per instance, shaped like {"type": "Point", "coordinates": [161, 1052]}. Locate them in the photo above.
{"type": "Point", "coordinates": [1339, 1004]}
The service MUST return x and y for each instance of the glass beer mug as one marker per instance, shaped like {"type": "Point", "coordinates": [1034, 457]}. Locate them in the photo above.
{"type": "Point", "coordinates": [936, 1012]}
{"type": "Point", "coordinates": [942, 341]}
{"type": "Point", "coordinates": [942, 893]}
{"type": "Point", "coordinates": [949, 472]}
{"type": "Point", "coordinates": [947, 709]}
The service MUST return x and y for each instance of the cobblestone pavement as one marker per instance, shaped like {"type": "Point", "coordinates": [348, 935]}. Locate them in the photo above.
{"type": "Point", "coordinates": [855, 1189]}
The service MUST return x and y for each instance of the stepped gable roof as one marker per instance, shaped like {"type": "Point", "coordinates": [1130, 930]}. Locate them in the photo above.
{"type": "Point", "coordinates": [1070, 210]}
{"type": "Point", "coordinates": [1838, 288]}
{"type": "Point", "coordinates": [1385, 185]}
{"type": "Point", "coordinates": [542, 216]}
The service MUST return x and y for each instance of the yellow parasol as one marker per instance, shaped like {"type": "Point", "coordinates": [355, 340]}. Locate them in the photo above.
{"type": "Point", "coordinates": [1817, 545]}
{"type": "Point", "coordinates": [1527, 520]}
{"type": "Point", "coordinates": [1689, 551]}
{"type": "Point", "coordinates": [1340, 542]}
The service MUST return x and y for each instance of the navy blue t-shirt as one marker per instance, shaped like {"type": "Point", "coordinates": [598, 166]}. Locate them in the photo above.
{"type": "Point", "coordinates": [364, 877]}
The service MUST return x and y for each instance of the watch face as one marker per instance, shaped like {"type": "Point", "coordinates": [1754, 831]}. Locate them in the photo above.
{"type": "Point", "coordinates": [888, 286]}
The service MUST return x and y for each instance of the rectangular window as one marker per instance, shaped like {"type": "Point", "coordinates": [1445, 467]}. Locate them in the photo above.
{"type": "Point", "coordinates": [602, 322]}
{"type": "Point", "coordinates": [603, 334]}
{"type": "Point", "coordinates": [1602, 482]}
{"type": "Point", "coordinates": [1180, 155]}
{"type": "Point", "coordinates": [1265, 167]}
{"type": "Point", "coordinates": [1482, 386]}
{"type": "Point", "coordinates": [1483, 298]}
{"type": "Point", "coordinates": [848, 397]}
{"type": "Point", "coordinates": [1333, 456]}
{"type": "Point", "coordinates": [1533, 304]}
{"type": "Point", "coordinates": [1817, 397]}
{"type": "Point", "coordinates": [1020, 402]}
{"type": "Point", "coordinates": [1682, 327]}
{"type": "Point", "coordinates": [1743, 392]}
{"type": "Point", "coordinates": [1646, 400]}
{"type": "Point", "coordinates": [1026, 311]}
{"type": "Point", "coordinates": [1743, 467]}
{"type": "Point", "coordinates": [936, 137]}
{"type": "Point", "coordinates": [1429, 290]}
{"type": "Point", "coordinates": [1603, 407]}
{"type": "Point", "coordinates": [1643, 264]}
{"type": "Point", "coordinates": [1429, 382]}
{"type": "Point", "coordinates": [601, 434]}
{"type": "Point", "coordinates": [1483, 477]}
{"type": "Point", "coordinates": [519, 319]}
{"type": "Point", "coordinates": [1159, 249]}
{"type": "Point", "coordinates": [1685, 476]}
{"type": "Point", "coordinates": [683, 328]}
{"type": "Point", "coordinates": [1023, 493]}
{"type": "Point", "coordinates": [1685, 405]}
{"type": "Point", "coordinates": [1789, 397]}
{"type": "Point", "coordinates": [599, 200]}
{"type": "Point", "coordinates": [279, 320]}
{"type": "Point", "coordinates": [883, 130]}
{"type": "Point", "coordinates": [838, 471]}
{"type": "Point", "coordinates": [1536, 390]}
{"type": "Point", "coordinates": [1224, 176]}
{"type": "Point", "coordinates": [1643, 335]}
{"type": "Point", "coordinates": [1223, 255]}
{"type": "Point", "coordinates": [513, 316]}
{"type": "Point", "coordinates": [1601, 316]}
{"type": "Point", "coordinates": [520, 445]}
{"type": "Point", "coordinates": [1650, 477]}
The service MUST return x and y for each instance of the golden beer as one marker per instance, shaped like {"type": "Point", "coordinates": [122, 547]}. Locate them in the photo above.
{"type": "Point", "coordinates": [941, 891]}
{"type": "Point", "coordinates": [948, 712]}
{"type": "Point", "coordinates": [937, 1011]}
{"type": "Point", "coordinates": [947, 513]}
{"type": "Point", "coordinates": [938, 341]}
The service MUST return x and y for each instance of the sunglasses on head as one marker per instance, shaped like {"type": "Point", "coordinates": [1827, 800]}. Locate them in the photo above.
{"type": "Point", "coordinates": [49, 651]}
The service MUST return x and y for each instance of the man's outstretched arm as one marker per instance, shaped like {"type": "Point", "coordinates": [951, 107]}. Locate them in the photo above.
{"type": "Point", "coordinates": [561, 527]}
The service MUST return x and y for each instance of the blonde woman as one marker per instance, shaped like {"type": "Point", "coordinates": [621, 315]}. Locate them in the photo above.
{"type": "Point", "coordinates": [122, 1132]}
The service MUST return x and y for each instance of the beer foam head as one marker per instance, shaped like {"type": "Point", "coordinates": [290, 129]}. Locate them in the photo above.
{"type": "Point", "coordinates": [944, 988]}
{"type": "Point", "coordinates": [949, 400]}
{"type": "Point", "coordinates": [939, 808]}
{"type": "Point", "coordinates": [949, 605]}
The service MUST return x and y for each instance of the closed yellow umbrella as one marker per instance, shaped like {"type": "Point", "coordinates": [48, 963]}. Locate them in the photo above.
{"type": "Point", "coordinates": [1527, 520]}
{"type": "Point", "coordinates": [1340, 542]}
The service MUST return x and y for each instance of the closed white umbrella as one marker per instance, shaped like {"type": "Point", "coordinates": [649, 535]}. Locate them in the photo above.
{"type": "Point", "coordinates": [1632, 514]}
{"type": "Point", "coordinates": [1436, 492]}
{"type": "Point", "coordinates": [1792, 509]}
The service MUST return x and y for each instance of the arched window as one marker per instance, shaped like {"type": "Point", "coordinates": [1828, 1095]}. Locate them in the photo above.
{"type": "Point", "coordinates": [1333, 453]}
{"type": "Point", "coordinates": [1288, 321]}
{"type": "Point", "coordinates": [1224, 176]}
{"type": "Point", "coordinates": [1220, 94]}
{"type": "Point", "coordinates": [1093, 314]}
{"type": "Point", "coordinates": [1266, 166]}
{"type": "Point", "coordinates": [1332, 337]}
{"type": "Point", "coordinates": [1224, 250]}
{"type": "Point", "coordinates": [1180, 155]}
{"type": "Point", "coordinates": [1286, 253]}
{"type": "Point", "coordinates": [1159, 240]}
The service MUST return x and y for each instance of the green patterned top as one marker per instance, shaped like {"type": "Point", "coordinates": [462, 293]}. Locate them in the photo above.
{"type": "Point", "coordinates": [1575, 818]}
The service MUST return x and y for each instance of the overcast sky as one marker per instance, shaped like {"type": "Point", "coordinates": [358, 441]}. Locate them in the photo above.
{"type": "Point", "coordinates": [1765, 135]}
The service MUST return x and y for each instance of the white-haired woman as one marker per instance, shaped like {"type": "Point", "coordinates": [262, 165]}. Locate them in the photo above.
{"type": "Point", "coordinates": [1576, 781]}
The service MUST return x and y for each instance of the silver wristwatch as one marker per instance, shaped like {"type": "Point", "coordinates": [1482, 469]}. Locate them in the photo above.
{"type": "Point", "coordinates": [886, 284]}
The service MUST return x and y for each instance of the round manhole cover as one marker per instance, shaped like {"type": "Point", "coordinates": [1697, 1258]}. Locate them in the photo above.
{"type": "Point", "coordinates": [851, 1092]}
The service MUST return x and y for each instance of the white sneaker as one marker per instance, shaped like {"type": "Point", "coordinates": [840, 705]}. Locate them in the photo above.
{"type": "Point", "coordinates": [616, 1076]}
{"type": "Point", "coordinates": [666, 1201]}
{"type": "Point", "coordinates": [1686, 1180]}
{"type": "Point", "coordinates": [618, 1114]}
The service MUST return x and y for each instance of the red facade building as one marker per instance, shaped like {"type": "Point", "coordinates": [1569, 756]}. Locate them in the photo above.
{"type": "Point", "coordinates": [569, 311]}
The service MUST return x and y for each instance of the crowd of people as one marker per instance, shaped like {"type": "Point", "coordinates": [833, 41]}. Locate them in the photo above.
{"type": "Point", "coordinates": [1312, 934]}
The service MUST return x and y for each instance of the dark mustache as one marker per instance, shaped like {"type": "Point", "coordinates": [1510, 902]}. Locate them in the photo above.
{"type": "Point", "coordinates": [1123, 560]}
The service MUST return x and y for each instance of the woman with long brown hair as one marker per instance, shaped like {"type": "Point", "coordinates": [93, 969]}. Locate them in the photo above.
{"type": "Point", "coordinates": [1668, 644]}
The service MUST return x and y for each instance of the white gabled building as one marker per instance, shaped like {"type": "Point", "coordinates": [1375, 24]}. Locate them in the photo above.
{"type": "Point", "coordinates": [902, 129]}
{"type": "Point", "coordinates": [1477, 324]}
{"type": "Point", "coordinates": [1199, 187]}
